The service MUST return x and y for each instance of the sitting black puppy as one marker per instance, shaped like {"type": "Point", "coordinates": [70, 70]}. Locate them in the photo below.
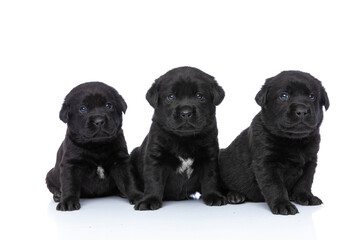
{"type": "Point", "coordinates": [274, 160]}
{"type": "Point", "coordinates": [179, 155]}
{"type": "Point", "coordinates": [93, 160]}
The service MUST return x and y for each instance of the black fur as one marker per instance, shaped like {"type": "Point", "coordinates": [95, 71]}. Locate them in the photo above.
{"type": "Point", "coordinates": [274, 160]}
{"type": "Point", "coordinates": [184, 127]}
{"type": "Point", "coordinates": [93, 160]}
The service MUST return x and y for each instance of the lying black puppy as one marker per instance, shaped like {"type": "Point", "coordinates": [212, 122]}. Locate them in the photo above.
{"type": "Point", "coordinates": [179, 155]}
{"type": "Point", "coordinates": [275, 158]}
{"type": "Point", "coordinates": [93, 160]}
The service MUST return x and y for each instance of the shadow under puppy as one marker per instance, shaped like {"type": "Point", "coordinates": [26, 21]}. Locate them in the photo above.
{"type": "Point", "coordinates": [179, 155]}
{"type": "Point", "coordinates": [93, 160]}
{"type": "Point", "coordinates": [274, 160]}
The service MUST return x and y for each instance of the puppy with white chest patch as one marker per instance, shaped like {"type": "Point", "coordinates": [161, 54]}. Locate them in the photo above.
{"type": "Point", "coordinates": [93, 160]}
{"type": "Point", "coordinates": [179, 155]}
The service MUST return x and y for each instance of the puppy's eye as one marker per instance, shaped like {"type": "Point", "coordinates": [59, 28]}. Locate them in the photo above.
{"type": "Point", "coordinates": [108, 105]}
{"type": "Point", "coordinates": [83, 109]}
{"type": "Point", "coordinates": [312, 97]}
{"type": "Point", "coordinates": [199, 96]}
{"type": "Point", "coordinates": [171, 97]}
{"type": "Point", "coordinates": [284, 96]}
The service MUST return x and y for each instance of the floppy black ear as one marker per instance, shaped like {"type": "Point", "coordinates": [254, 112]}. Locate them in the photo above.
{"type": "Point", "coordinates": [64, 112]}
{"type": "Point", "coordinates": [152, 95]}
{"type": "Point", "coordinates": [123, 105]}
{"type": "Point", "coordinates": [261, 96]}
{"type": "Point", "coordinates": [218, 93]}
{"type": "Point", "coordinates": [324, 99]}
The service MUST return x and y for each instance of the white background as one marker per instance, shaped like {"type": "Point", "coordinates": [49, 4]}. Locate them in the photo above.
{"type": "Point", "coordinates": [49, 47]}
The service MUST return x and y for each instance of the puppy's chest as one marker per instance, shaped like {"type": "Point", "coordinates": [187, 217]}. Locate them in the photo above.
{"type": "Point", "coordinates": [100, 172]}
{"type": "Point", "coordinates": [185, 166]}
{"type": "Point", "coordinates": [97, 172]}
{"type": "Point", "coordinates": [99, 166]}
{"type": "Point", "coordinates": [291, 166]}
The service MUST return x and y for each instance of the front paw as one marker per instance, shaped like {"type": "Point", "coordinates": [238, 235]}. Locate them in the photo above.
{"type": "Point", "coordinates": [305, 199]}
{"type": "Point", "coordinates": [57, 196]}
{"type": "Point", "coordinates": [214, 199]}
{"type": "Point", "coordinates": [151, 203]}
{"type": "Point", "coordinates": [135, 197]}
{"type": "Point", "coordinates": [235, 198]}
{"type": "Point", "coordinates": [283, 207]}
{"type": "Point", "coordinates": [70, 204]}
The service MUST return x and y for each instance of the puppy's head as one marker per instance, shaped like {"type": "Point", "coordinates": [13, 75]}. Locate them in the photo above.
{"type": "Point", "coordinates": [93, 112]}
{"type": "Point", "coordinates": [184, 100]}
{"type": "Point", "coordinates": [292, 104]}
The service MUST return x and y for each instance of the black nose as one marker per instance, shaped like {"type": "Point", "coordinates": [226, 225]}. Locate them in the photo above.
{"type": "Point", "coordinates": [301, 111]}
{"type": "Point", "coordinates": [98, 121]}
{"type": "Point", "coordinates": [186, 112]}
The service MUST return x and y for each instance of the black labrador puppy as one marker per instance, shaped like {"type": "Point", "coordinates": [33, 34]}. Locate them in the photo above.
{"type": "Point", "coordinates": [274, 160]}
{"type": "Point", "coordinates": [179, 156]}
{"type": "Point", "coordinates": [93, 160]}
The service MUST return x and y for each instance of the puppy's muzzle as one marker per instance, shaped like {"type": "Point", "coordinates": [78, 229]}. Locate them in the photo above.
{"type": "Point", "coordinates": [98, 121]}
{"type": "Point", "coordinates": [186, 112]}
{"type": "Point", "coordinates": [301, 111]}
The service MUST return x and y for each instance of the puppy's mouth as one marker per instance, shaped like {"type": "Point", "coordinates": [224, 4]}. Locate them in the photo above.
{"type": "Point", "coordinates": [299, 129]}
{"type": "Point", "coordinates": [100, 134]}
{"type": "Point", "coordinates": [187, 128]}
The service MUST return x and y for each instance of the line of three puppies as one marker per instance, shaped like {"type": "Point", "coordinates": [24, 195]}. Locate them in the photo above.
{"type": "Point", "coordinates": [273, 160]}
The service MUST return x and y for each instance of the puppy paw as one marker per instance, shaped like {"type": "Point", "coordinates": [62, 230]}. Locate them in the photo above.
{"type": "Point", "coordinates": [57, 196]}
{"type": "Point", "coordinates": [133, 198]}
{"type": "Point", "coordinates": [305, 199]}
{"type": "Point", "coordinates": [214, 199]}
{"type": "Point", "coordinates": [148, 204]}
{"type": "Point", "coordinates": [283, 208]}
{"type": "Point", "coordinates": [235, 198]}
{"type": "Point", "coordinates": [70, 204]}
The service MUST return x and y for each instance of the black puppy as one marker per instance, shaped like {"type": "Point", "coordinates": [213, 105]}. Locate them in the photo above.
{"type": "Point", "coordinates": [93, 160]}
{"type": "Point", "coordinates": [179, 155]}
{"type": "Point", "coordinates": [274, 160]}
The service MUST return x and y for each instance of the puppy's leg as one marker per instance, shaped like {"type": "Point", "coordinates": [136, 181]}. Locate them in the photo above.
{"type": "Point", "coordinates": [273, 189]}
{"type": "Point", "coordinates": [210, 184]}
{"type": "Point", "coordinates": [301, 193]}
{"type": "Point", "coordinates": [124, 177]}
{"type": "Point", "coordinates": [154, 181]}
{"type": "Point", "coordinates": [70, 178]}
{"type": "Point", "coordinates": [53, 184]}
{"type": "Point", "coordinates": [235, 197]}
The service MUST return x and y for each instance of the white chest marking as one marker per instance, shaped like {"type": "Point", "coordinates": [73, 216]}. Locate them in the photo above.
{"type": "Point", "coordinates": [185, 166]}
{"type": "Point", "coordinates": [101, 172]}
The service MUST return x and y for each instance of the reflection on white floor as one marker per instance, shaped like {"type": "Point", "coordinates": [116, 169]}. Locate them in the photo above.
{"type": "Point", "coordinates": [114, 218]}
